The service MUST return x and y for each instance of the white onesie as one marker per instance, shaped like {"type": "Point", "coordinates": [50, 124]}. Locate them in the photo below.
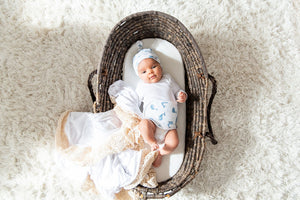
{"type": "Point", "coordinates": [159, 99]}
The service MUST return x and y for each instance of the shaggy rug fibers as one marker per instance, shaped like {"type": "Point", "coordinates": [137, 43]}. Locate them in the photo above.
{"type": "Point", "coordinates": [48, 48]}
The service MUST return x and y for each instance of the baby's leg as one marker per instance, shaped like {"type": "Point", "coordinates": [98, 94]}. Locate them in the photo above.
{"type": "Point", "coordinates": [147, 129]}
{"type": "Point", "coordinates": [171, 142]}
{"type": "Point", "coordinates": [158, 160]}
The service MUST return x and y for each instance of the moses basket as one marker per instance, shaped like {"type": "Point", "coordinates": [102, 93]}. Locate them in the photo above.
{"type": "Point", "coordinates": [153, 24]}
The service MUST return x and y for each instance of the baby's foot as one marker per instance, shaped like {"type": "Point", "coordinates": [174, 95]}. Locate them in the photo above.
{"type": "Point", "coordinates": [154, 146]}
{"type": "Point", "coordinates": [157, 161]}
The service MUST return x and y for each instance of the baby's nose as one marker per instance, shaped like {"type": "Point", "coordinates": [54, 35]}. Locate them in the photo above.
{"type": "Point", "coordinates": [150, 71]}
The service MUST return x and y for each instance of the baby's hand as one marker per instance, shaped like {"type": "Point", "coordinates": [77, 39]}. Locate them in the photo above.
{"type": "Point", "coordinates": [181, 97]}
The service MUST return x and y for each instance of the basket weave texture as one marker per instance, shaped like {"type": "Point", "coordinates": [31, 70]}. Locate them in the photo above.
{"type": "Point", "coordinates": [153, 24]}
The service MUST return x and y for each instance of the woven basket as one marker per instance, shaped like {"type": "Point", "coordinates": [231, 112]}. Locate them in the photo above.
{"type": "Point", "coordinates": [153, 24]}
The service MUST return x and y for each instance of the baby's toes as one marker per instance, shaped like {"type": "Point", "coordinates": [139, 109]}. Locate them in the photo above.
{"type": "Point", "coordinates": [154, 147]}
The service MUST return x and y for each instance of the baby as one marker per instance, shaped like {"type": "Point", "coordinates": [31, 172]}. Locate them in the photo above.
{"type": "Point", "coordinates": [159, 94]}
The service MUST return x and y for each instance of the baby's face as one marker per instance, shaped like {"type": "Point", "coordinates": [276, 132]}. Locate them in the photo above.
{"type": "Point", "coordinates": [149, 71]}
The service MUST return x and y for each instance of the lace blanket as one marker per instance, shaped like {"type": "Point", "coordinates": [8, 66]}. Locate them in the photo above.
{"type": "Point", "coordinates": [108, 145]}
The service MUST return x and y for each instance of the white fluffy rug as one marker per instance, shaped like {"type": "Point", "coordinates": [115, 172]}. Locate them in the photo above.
{"type": "Point", "coordinates": [48, 48]}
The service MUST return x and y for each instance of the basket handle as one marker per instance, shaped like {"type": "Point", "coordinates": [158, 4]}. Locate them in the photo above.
{"type": "Point", "coordinates": [210, 133]}
{"type": "Point", "coordinates": [90, 85]}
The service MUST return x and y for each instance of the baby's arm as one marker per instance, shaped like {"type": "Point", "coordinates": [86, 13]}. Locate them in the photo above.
{"type": "Point", "coordinates": [180, 94]}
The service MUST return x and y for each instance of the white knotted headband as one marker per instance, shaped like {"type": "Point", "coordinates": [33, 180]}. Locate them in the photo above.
{"type": "Point", "coordinates": [143, 54]}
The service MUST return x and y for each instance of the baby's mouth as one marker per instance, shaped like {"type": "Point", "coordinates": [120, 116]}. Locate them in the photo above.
{"type": "Point", "coordinates": [152, 77]}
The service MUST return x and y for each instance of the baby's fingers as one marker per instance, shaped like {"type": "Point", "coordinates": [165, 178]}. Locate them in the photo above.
{"type": "Point", "coordinates": [180, 100]}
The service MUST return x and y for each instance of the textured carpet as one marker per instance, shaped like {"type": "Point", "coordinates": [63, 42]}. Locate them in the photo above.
{"type": "Point", "coordinates": [48, 48]}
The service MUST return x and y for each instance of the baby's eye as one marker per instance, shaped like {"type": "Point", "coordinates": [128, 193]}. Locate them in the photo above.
{"type": "Point", "coordinates": [154, 66]}
{"type": "Point", "coordinates": [143, 72]}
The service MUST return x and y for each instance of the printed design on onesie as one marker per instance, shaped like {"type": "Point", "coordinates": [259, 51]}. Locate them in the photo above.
{"type": "Point", "coordinates": [163, 114]}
